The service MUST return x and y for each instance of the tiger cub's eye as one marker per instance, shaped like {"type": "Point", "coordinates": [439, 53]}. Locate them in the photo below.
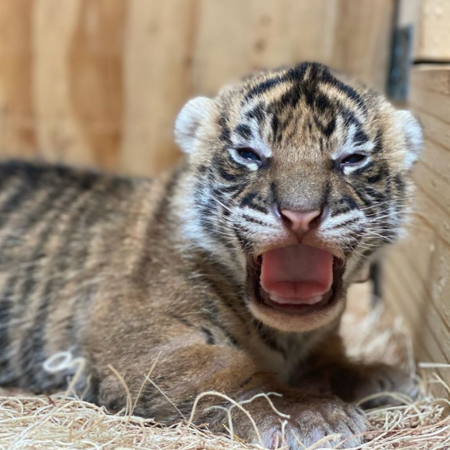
{"type": "Point", "coordinates": [248, 154]}
{"type": "Point", "coordinates": [355, 158]}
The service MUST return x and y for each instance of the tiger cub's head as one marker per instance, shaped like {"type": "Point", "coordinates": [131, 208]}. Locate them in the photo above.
{"type": "Point", "coordinates": [296, 177]}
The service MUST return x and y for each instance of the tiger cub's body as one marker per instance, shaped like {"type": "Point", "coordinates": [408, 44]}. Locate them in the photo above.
{"type": "Point", "coordinates": [180, 275]}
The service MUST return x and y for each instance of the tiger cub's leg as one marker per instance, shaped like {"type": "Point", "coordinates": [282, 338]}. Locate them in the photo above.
{"type": "Point", "coordinates": [332, 371]}
{"type": "Point", "coordinates": [354, 382]}
{"type": "Point", "coordinates": [187, 366]}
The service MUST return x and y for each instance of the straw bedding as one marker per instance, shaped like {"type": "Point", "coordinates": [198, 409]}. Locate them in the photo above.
{"type": "Point", "coordinates": [61, 421]}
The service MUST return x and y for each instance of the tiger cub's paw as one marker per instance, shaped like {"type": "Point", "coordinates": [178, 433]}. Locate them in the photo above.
{"type": "Point", "coordinates": [334, 423]}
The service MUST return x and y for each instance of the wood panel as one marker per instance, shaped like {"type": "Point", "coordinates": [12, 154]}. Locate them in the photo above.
{"type": "Point", "coordinates": [417, 281]}
{"type": "Point", "coordinates": [429, 21]}
{"type": "Point", "coordinates": [99, 82]}
{"type": "Point", "coordinates": [362, 39]}
{"type": "Point", "coordinates": [433, 33]}
{"type": "Point", "coordinates": [16, 73]}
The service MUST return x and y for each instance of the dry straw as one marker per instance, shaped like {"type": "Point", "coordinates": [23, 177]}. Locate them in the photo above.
{"type": "Point", "coordinates": [61, 421]}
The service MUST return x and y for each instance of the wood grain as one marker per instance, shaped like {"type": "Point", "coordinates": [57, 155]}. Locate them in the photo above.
{"type": "Point", "coordinates": [362, 37]}
{"type": "Point", "coordinates": [433, 31]}
{"type": "Point", "coordinates": [95, 62]}
{"type": "Point", "coordinates": [417, 281]}
{"type": "Point", "coordinates": [16, 77]}
{"type": "Point", "coordinates": [99, 82]}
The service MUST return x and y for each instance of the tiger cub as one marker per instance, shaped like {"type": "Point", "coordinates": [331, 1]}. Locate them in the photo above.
{"type": "Point", "coordinates": [228, 274]}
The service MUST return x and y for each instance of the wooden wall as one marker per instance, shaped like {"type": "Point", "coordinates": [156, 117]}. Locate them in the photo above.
{"type": "Point", "coordinates": [99, 82]}
{"type": "Point", "coordinates": [417, 273]}
{"type": "Point", "coordinates": [433, 34]}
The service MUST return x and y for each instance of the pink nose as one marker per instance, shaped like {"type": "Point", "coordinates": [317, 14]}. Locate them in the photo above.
{"type": "Point", "coordinates": [300, 222]}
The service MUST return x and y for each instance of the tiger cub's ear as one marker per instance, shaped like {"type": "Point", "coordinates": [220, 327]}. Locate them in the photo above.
{"type": "Point", "coordinates": [413, 135]}
{"type": "Point", "coordinates": [195, 113]}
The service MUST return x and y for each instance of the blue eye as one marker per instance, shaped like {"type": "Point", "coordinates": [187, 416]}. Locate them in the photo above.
{"type": "Point", "coordinates": [355, 158]}
{"type": "Point", "coordinates": [248, 154]}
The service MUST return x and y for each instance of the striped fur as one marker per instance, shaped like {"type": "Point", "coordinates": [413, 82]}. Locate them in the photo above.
{"type": "Point", "coordinates": [153, 275]}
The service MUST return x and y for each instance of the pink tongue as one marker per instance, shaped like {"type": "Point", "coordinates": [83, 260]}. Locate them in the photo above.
{"type": "Point", "coordinates": [299, 273]}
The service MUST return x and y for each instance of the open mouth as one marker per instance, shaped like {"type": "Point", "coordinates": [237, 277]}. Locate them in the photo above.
{"type": "Point", "coordinates": [296, 280]}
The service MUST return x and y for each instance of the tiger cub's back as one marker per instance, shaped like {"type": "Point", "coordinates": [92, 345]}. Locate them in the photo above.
{"type": "Point", "coordinates": [60, 230]}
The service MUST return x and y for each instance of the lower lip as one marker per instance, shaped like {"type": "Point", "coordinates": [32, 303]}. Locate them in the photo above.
{"type": "Point", "coordinates": [299, 309]}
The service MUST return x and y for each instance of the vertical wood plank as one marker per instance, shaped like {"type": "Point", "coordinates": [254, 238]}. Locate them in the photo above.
{"type": "Point", "coordinates": [16, 78]}
{"type": "Point", "coordinates": [159, 41]}
{"type": "Point", "coordinates": [95, 69]}
{"type": "Point", "coordinates": [433, 31]}
{"type": "Point", "coordinates": [237, 37]}
{"type": "Point", "coordinates": [362, 40]}
{"type": "Point", "coordinates": [60, 136]}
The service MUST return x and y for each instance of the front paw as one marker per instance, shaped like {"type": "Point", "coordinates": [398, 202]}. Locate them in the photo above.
{"type": "Point", "coordinates": [365, 384]}
{"type": "Point", "coordinates": [329, 420]}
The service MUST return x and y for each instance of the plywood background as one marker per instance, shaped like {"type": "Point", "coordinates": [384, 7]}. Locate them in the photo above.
{"type": "Point", "coordinates": [99, 82]}
{"type": "Point", "coordinates": [417, 280]}
{"type": "Point", "coordinates": [433, 33]}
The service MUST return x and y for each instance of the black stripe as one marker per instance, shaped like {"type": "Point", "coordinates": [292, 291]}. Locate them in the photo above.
{"type": "Point", "coordinates": [364, 169]}
{"type": "Point", "coordinates": [377, 195]}
{"type": "Point", "coordinates": [348, 116]}
{"type": "Point", "coordinates": [266, 336]}
{"type": "Point", "coordinates": [351, 93]}
{"type": "Point", "coordinates": [326, 128]}
{"type": "Point", "coordinates": [399, 183]}
{"type": "Point", "coordinates": [7, 374]}
{"type": "Point", "coordinates": [29, 221]}
{"type": "Point", "coordinates": [232, 188]}
{"type": "Point", "coordinates": [208, 336]}
{"type": "Point", "coordinates": [321, 102]}
{"type": "Point", "coordinates": [260, 208]}
{"type": "Point", "coordinates": [223, 295]}
{"type": "Point", "coordinates": [252, 219]}
{"type": "Point", "coordinates": [340, 211]}
{"type": "Point", "coordinates": [263, 87]}
{"type": "Point", "coordinates": [349, 202]}
{"type": "Point", "coordinates": [182, 320]}
{"type": "Point", "coordinates": [366, 201]}
{"type": "Point", "coordinates": [378, 142]}
{"type": "Point", "coordinates": [30, 278]}
{"type": "Point", "coordinates": [213, 314]}
{"type": "Point", "coordinates": [360, 138]}
{"type": "Point", "coordinates": [33, 344]}
{"type": "Point", "coordinates": [244, 131]}
{"type": "Point", "coordinates": [86, 295]}
{"type": "Point", "coordinates": [381, 173]}
{"type": "Point", "coordinates": [297, 73]}
{"type": "Point", "coordinates": [241, 239]}
{"type": "Point", "coordinates": [275, 123]}
{"type": "Point", "coordinates": [290, 98]}
{"type": "Point", "coordinates": [345, 224]}
{"type": "Point", "coordinates": [257, 113]}
{"type": "Point", "coordinates": [238, 191]}
{"type": "Point", "coordinates": [249, 201]}
{"type": "Point", "coordinates": [225, 134]}
{"type": "Point", "coordinates": [225, 174]}
{"type": "Point", "coordinates": [14, 201]}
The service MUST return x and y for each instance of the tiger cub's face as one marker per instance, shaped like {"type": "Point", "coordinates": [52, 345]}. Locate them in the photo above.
{"type": "Point", "coordinates": [298, 178]}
